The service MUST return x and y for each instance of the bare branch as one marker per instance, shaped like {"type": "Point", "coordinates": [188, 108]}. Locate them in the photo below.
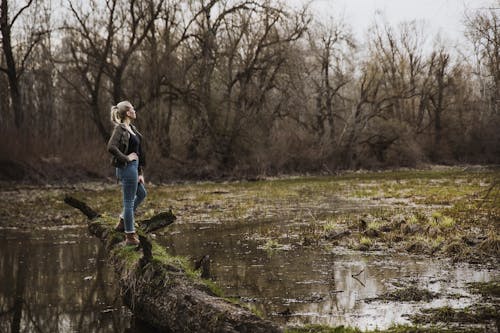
{"type": "Point", "coordinates": [30, 2]}
{"type": "Point", "coordinates": [31, 47]}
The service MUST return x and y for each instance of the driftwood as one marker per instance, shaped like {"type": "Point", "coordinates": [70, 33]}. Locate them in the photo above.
{"type": "Point", "coordinates": [163, 293]}
{"type": "Point", "coordinates": [82, 206]}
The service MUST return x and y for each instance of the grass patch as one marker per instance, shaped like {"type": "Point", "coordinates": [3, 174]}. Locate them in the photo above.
{"type": "Point", "coordinates": [128, 255]}
{"type": "Point", "coordinates": [365, 241]}
{"type": "Point", "coordinates": [486, 289]}
{"type": "Point", "coordinates": [491, 245]}
{"type": "Point", "coordinates": [418, 246]}
{"type": "Point", "coordinates": [330, 226]}
{"type": "Point", "coordinates": [447, 222]}
{"type": "Point", "coordinates": [181, 263]}
{"type": "Point", "coordinates": [409, 294]}
{"type": "Point", "coordinates": [216, 290]}
{"type": "Point", "coordinates": [456, 249]}
{"type": "Point", "coordinates": [374, 225]}
{"type": "Point", "coordinates": [364, 244]}
{"type": "Point", "coordinates": [254, 309]}
{"type": "Point", "coordinates": [477, 314]}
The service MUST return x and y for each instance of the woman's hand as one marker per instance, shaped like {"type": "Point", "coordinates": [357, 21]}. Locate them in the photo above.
{"type": "Point", "coordinates": [132, 157]}
{"type": "Point", "coordinates": [141, 179]}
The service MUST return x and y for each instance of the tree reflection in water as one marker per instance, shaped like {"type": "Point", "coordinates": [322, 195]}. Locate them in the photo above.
{"type": "Point", "coordinates": [55, 281]}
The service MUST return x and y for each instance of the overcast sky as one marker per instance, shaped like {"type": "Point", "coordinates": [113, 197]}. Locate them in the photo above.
{"type": "Point", "coordinates": [439, 16]}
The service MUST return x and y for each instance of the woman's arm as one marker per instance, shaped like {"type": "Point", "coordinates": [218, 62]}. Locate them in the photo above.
{"type": "Point", "coordinates": [113, 144]}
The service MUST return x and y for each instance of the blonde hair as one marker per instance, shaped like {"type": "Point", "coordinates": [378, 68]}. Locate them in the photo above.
{"type": "Point", "coordinates": [119, 111]}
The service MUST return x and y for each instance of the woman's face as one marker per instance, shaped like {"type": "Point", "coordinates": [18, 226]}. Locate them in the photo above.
{"type": "Point", "coordinates": [131, 112]}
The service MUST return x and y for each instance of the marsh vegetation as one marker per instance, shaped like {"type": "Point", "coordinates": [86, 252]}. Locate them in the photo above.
{"type": "Point", "coordinates": [306, 250]}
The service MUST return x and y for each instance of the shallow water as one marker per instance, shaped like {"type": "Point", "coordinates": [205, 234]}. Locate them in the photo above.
{"type": "Point", "coordinates": [57, 280]}
{"type": "Point", "coordinates": [300, 285]}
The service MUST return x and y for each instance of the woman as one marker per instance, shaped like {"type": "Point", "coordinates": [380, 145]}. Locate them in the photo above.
{"type": "Point", "coordinates": [125, 145]}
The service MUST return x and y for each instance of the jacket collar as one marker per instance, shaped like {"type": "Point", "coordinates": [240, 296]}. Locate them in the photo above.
{"type": "Point", "coordinates": [122, 125]}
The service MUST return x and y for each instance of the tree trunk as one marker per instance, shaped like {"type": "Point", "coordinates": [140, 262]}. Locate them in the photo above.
{"type": "Point", "coordinates": [12, 74]}
{"type": "Point", "coordinates": [15, 96]}
{"type": "Point", "coordinates": [96, 116]}
{"type": "Point", "coordinates": [165, 141]}
{"type": "Point", "coordinates": [162, 293]}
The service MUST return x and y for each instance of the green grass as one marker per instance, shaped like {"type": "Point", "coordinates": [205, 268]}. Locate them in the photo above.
{"type": "Point", "coordinates": [127, 255]}
{"type": "Point", "coordinates": [447, 222]}
{"type": "Point", "coordinates": [458, 209]}
{"type": "Point", "coordinates": [365, 241]}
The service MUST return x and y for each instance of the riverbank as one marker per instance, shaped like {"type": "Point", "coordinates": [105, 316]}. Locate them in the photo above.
{"type": "Point", "coordinates": [391, 219]}
{"type": "Point", "coordinates": [448, 212]}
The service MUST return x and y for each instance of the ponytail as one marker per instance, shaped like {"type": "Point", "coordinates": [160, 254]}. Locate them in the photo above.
{"type": "Point", "coordinates": [115, 119]}
{"type": "Point", "coordinates": [119, 112]}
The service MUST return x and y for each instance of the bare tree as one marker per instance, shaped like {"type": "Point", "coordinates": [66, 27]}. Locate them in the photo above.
{"type": "Point", "coordinates": [483, 30]}
{"type": "Point", "coordinates": [101, 45]}
{"type": "Point", "coordinates": [16, 55]}
{"type": "Point", "coordinates": [230, 48]}
{"type": "Point", "coordinates": [89, 40]}
{"type": "Point", "coordinates": [386, 86]}
{"type": "Point", "coordinates": [370, 102]}
{"type": "Point", "coordinates": [331, 45]}
{"type": "Point", "coordinates": [161, 65]}
{"type": "Point", "coordinates": [38, 81]}
{"type": "Point", "coordinates": [137, 19]}
{"type": "Point", "coordinates": [259, 62]}
{"type": "Point", "coordinates": [439, 64]}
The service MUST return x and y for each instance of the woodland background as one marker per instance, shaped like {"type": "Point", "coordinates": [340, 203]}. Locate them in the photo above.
{"type": "Point", "coordinates": [239, 88]}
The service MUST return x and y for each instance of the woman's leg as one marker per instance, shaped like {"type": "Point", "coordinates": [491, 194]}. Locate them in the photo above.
{"type": "Point", "coordinates": [129, 179]}
{"type": "Point", "coordinates": [140, 195]}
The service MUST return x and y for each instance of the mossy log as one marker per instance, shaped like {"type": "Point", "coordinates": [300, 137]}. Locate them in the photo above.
{"type": "Point", "coordinates": [163, 290]}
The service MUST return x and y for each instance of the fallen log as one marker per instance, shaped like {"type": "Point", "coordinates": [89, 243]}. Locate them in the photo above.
{"type": "Point", "coordinates": [163, 290]}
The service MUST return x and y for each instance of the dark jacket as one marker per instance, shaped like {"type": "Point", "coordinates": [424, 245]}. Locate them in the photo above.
{"type": "Point", "coordinates": [118, 146]}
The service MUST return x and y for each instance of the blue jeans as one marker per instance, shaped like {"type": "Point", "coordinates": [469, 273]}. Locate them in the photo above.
{"type": "Point", "coordinates": [133, 193]}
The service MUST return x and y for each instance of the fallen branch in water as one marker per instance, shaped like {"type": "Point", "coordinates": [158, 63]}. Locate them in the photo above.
{"type": "Point", "coordinates": [154, 223]}
{"type": "Point", "coordinates": [81, 206]}
{"type": "Point", "coordinates": [358, 274]}
{"type": "Point", "coordinates": [163, 290]}
{"type": "Point", "coordinates": [355, 277]}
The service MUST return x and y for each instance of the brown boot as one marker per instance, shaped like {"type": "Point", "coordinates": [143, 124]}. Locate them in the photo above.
{"type": "Point", "coordinates": [120, 226]}
{"type": "Point", "coordinates": [132, 239]}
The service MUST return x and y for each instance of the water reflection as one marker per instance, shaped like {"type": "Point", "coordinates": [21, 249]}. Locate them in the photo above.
{"type": "Point", "coordinates": [316, 285]}
{"type": "Point", "coordinates": [59, 281]}
{"type": "Point", "coordinates": [53, 281]}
